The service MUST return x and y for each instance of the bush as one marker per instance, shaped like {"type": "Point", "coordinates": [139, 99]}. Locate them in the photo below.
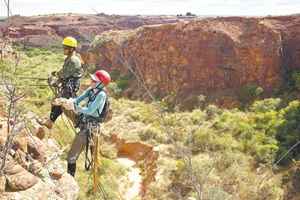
{"type": "Point", "coordinates": [212, 111]}
{"type": "Point", "coordinates": [102, 39]}
{"type": "Point", "coordinates": [123, 82]}
{"type": "Point", "coordinates": [296, 79]}
{"type": "Point", "coordinates": [114, 90]}
{"type": "Point", "coordinates": [203, 140]}
{"type": "Point", "coordinates": [216, 193]}
{"type": "Point", "coordinates": [266, 105]}
{"type": "Point", "coordinates": [251, 133]}
{"type": "Point", "coordinates": [115, 74]}
{"type": "Point", "coordinates": [153, 133]}
{"type": "Point", "coordinates": [168, 102]}
{"type": "Point", "coordinates": [34, 52]}
{"type": "Point", "coordinates": [288, 132]}
{"type": "Point", "coordinates": [249, 92]}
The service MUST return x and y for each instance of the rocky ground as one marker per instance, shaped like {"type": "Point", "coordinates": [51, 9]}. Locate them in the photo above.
{"type": "Point", "coordinates": [33, 168]}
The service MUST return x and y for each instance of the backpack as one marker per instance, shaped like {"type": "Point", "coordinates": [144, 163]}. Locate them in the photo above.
{"type": "Point", "coordinates": [106, 114]}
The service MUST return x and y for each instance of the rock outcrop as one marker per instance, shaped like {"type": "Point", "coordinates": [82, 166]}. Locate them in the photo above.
{"type": "Point", "coordinates": [48, 30]}
{"type": "Point", "coordinates": [217, 57]}
{"type": "Point", "coordinates": [289, 26]}
{"type": "Point", "coordinates": [141, 153]}
{"type": "Point", "coordinates": [33, 169]}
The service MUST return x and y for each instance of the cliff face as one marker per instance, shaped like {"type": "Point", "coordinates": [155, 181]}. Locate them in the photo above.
{"type": "Point", "coordinates": [204, 56]}
{"type": "Point", "coordinates": [290, 28]}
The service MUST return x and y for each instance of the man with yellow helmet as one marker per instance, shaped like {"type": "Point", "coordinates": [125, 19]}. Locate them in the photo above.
{"type": "Point", "coordinates": [68, 77]}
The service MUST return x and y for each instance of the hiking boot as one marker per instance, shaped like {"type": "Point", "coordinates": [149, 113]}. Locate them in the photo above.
{"type": "Point", "coordinates": [48, 123]}
{"type": "Point", "coordinates": [72, 169]}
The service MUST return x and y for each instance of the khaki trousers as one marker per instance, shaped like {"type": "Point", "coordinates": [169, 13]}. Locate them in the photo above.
{"type": "Point", "coordinates": [79, 144]}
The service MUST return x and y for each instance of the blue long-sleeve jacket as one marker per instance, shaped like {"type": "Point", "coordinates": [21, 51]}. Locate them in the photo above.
{"type": "Point", "coordinates": [93, 108]}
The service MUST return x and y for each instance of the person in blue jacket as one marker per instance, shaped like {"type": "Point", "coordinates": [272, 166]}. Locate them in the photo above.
{"type": "Point", "coordinates": [88, 115]}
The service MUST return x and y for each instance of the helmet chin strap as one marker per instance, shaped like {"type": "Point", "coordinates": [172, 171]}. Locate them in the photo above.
{"type": "Point", "coordinates": [99, 86]}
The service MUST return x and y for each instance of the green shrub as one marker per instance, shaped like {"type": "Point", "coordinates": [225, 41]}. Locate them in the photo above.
{"type": "Point", "coordinates": [249, 92]}
{"type": "Point", "coordinates": [216, 193]}
{"type": "Point", "coordinates": [296, 79]}
{"type": "Point", "coordinates": [203, 139]}
{"type": "Point", "coordinates": [102, 39]}
{"type": "Point", "coordinates": [212, 111]}
{"type": "Point", "coordinates": [266, 105]}
{"type": "Point", "coordinates": [152, 133]}
{"type": "Point", "coordinates": [266, 152]}
{"type": "Point", "coordinates": [168, 102]}
{"type": "Point", "coordinates": [114, 90]}
{"type": "Point", "coordinates": [33, 52]}
{"type": "Point", "coordinates": [197, 117]}
{"type": "Point", "coordinates": [123, 82]}
{"type": "Point", "coordinates": [115, 74]}
{"type": "Point", "coordinates": [144, 113]}
{"type": "Point", "coordinates": [252, 133]}
{"type": "Point", "coordinates": [288, 132]}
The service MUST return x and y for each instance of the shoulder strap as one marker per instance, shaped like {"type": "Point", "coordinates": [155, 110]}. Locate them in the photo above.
{"type": "Point", "coordinates": [106, 97]}
{"type": "Point", "coordinates": [94, 95]}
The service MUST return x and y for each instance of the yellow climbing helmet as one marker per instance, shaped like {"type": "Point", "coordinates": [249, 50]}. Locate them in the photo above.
{"type": "Point", "coordinates": [70, 42]}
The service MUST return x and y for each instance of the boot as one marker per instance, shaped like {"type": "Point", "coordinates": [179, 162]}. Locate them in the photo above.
{"type": "Point", "coordinates": [72, 169]}
{"type": "Point", "coordinates": [48, 123]}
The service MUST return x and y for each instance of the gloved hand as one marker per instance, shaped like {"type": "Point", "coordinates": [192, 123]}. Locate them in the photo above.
{"type": "Point", "coordinates": [68, 104]}
{"type": "Point", "coordinates": [53, 80]}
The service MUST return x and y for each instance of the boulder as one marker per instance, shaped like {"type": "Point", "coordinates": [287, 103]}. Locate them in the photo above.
{"type": "Point", "coordinates": [36, 148]}
{"type": "Point", "coordinates": [18, 178]}
{"type": "Point", "coordinates": [11, 167]}
{"type": "Point", "coordinates": [67, 187]}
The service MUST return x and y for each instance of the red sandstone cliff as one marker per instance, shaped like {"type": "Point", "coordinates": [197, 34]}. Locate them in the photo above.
{"type": "Point", "coordinates": [209, 56]}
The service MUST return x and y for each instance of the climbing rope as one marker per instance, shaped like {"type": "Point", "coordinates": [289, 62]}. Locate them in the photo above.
{"type": "Point", "coordinates": [96, 158]}
{"type": "Point", "coordinates": [285, 154]}
{"type": "Point", "coordinates": [68, 123]}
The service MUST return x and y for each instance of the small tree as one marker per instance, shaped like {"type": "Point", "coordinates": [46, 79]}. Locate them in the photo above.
{"type": "Point", "coordinates": [12, 96]}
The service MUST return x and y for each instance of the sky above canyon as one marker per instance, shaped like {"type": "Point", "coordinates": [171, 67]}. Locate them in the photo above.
{"type": "Point", "coordinates": [154, 7]}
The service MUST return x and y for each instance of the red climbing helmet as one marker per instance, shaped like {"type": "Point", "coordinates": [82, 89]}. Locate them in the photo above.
{"type": "Point", "coordinates": [101, 76]}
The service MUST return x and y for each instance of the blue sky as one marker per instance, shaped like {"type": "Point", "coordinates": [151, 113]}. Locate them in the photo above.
{"type": "Point", "coordinates": [155, 7]}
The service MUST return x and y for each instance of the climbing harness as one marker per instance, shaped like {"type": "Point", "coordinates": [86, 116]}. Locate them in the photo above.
{"type": "Point", "coordinates": [70, 87]}
{"type": "Point", "coordinates": [65, 88]}
{"type": "Point", "coordinates": [91, 126]}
